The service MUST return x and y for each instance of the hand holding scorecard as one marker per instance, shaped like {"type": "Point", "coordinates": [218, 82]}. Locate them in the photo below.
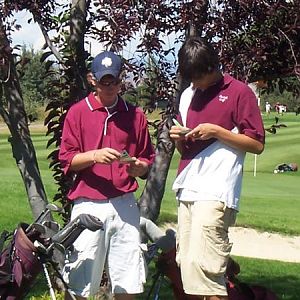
{"type": "Point", "coordinates": [126, 158]}
{"type": "Point", "coordinates": [184, 130]}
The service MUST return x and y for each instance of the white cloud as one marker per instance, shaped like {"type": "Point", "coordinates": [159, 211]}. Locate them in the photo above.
{"type": "Point", "coordinates": [93, 47]}
{"type": "Point", "coordinates": [30, 34]}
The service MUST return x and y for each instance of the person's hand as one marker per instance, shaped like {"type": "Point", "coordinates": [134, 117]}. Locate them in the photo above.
{"type": "Point", "coordinates": [203, 131]}
{"type": "Point", "coordinates": [106, 156]}
{"type": "Point", "coordinates": [178, 133]}
{"type": "Point", "coordinates": [138, 168]}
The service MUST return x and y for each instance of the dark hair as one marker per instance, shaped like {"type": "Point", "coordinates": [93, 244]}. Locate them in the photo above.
{"type": "Point", "coordinates": [196, 58]}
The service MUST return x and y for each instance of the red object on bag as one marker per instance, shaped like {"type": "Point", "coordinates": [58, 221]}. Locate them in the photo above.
{"type": "Point", "coordinates": [236, 289]}
{"type": "Point", "coordinates": [166, 263]}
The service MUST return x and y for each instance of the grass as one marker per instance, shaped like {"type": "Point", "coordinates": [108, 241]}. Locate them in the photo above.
{"type": "Point", "coordinates": [282, 278]}
{"type": "Point", "coordinates": [12, 189]}
{"type": "Point", "coordinates": [269, 202]}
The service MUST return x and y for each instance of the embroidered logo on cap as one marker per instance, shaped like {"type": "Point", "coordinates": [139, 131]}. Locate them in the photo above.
{"type": "Point", "coordinates": [222, 98]}
{"type": "Point", "coordinates": [107, 62]}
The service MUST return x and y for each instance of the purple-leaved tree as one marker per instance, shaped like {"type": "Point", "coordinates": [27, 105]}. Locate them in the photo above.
{"type": "Point", "coordinates": [257, 40]}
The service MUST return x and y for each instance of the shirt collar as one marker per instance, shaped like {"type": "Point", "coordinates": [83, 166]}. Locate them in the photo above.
{"type": "Point", "coordinates": [93, 104]}
{"type": "Point", "coordinates": [227, 79]}
{"type": "Point", "coordinates": [222, 83]}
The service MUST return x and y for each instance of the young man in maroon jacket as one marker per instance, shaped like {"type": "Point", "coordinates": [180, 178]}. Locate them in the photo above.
{"type": "Point", "coordinates": [106, 145]}
{"type": "Point", "coordinates": [220, 122]}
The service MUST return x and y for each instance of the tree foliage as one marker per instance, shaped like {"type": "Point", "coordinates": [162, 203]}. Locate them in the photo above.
{"type": "Point", "coordinates": [256, 40]}
{"type": "Point", "coordinates": [34, 82]}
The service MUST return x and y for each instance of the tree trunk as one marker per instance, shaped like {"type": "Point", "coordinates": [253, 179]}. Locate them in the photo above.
{"type": "Point", "coordinates": [153, 192]}
{"type": "Point", "coordinates": [15, 117]}
{"type": "Point", "coordinates": [77, 33]}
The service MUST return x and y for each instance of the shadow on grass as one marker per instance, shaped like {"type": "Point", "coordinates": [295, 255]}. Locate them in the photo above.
{"type": "Point", "coordinates": [39, 289]}
{"type": "Point", "coordinates": [280, 277]}
{"type": "Point", "coordinates": [285, 287]}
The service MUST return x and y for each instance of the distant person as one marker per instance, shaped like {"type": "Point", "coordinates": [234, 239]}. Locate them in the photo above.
{"type": "Point", "coordinates": [276, 106]}
{"type": "Point", "coordinates": [282, 109]}
{"type": "Point", "coordinates": [268, 108]}
{"type": "Point", "coordinates": [221, 121]}
{"type": "Point", "coordinates": [97, 130]}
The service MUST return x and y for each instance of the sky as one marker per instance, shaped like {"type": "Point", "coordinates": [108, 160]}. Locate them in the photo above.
{"type": "Point", "coordinates": [31, 36]}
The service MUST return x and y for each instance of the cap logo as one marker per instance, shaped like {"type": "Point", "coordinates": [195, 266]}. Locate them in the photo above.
{"type": "Point", "coordinates": [107, 62]}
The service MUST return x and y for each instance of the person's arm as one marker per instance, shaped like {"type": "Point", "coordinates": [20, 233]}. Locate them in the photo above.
{"type": "Point", "coordinates": [86, 159]}
{"type": "Point", "coordinates": [241, 142]}
{"type": "Point", "coordinates": [144, 152]}
{"type": "Point", "coordinates": [71, 156]}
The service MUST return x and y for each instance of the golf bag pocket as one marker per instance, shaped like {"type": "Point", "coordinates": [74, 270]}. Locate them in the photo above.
{"type": "Point", "coordinates": [19, 266]}
{"type": "Point", "coordinates": [214, 250]}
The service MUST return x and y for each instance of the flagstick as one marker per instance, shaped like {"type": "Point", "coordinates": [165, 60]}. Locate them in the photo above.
{"type": "Point", "coordinates": [255, 161]}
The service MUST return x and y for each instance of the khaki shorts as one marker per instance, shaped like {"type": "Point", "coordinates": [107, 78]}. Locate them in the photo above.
{"type": "Point", "coordinates": [117, 248]}
{"type": "Point", "coordinates": [203, 246]}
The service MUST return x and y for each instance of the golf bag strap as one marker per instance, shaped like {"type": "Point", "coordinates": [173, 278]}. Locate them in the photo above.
{"type": "Point", "coordinates": [55, 268]}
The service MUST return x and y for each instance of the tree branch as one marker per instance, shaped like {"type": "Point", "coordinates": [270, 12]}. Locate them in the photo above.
{"type": "Point", "coordinates": [297, 66]}
{"type": "Point", "coordinates": [49, 43]}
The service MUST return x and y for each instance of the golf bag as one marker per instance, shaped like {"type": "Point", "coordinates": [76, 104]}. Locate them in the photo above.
{"type": "Point", "coordinates": [19, 264]}
{"type": "Point", "coordinates": [238, 290]}
{"type": "Point", "coordinates": [29, 248]}
{"type": "Point", "coordinates": [166, 266]}
{"type": "Point", "coordinates": [165, 260]}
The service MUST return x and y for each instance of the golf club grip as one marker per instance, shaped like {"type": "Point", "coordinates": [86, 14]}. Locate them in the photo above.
{"type": "Point", "coordinates": [165, 241]}
{"type": "Point", "coordinates": [72, 230]}
{"type": "Point", "coordinates": [152, 231]}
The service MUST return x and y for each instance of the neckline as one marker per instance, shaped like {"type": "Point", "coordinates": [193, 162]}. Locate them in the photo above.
{"type": "Point", "coordinates": [113, 105]}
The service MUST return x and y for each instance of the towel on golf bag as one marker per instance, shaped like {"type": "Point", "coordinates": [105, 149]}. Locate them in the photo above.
{"type": "Point", "coordinates": [19, 264]}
